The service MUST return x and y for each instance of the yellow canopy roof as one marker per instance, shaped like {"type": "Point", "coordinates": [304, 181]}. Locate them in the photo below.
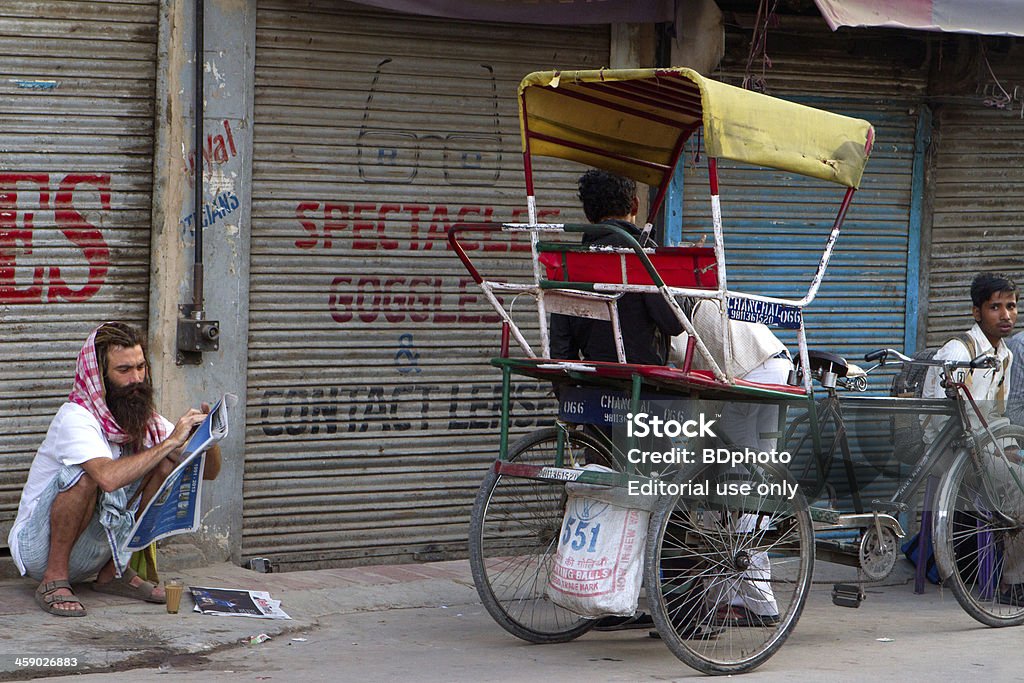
{"type": "Point", "coordinates": [634, 121]}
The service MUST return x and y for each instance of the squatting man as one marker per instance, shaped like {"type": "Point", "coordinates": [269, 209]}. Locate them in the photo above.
{"type": "Point", "coordinates": [104, 456]}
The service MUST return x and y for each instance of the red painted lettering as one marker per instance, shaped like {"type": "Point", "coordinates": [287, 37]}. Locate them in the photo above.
{"type": "Point", "coordinates": [309, 226]}
{"type": "Point", "coordinates": [368, 307]}
{"type": "Point", "coordinates": [231, 139]}
{"type": "Point", "coordinates": [81, 233]}
{"type": "Point", "coordinates": [414, 223]}
{"type": "Point", "coordinates": [419, 301]}
{"type": "Point", "coordinates": [438, 229]}
{"type": "Point", "coordinates": [334, 223]}
{"type": "Point", "coordinates": [11, 235]}
{"type": "Point", "coordinates": [393, 303]}
{"type": "Point", "coordinates": [382, 214]}
{"type": "Point", "coordinates": [360, 226]}
{"type": "Point", "coordinates": [336, 301]}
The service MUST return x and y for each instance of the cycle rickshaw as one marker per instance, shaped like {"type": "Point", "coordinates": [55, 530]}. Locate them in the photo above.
{"type": "Point", "coordinates": [636, 123]}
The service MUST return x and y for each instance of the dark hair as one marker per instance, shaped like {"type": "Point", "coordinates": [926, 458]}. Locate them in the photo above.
{"type": "Point", "coordinates": [605, 195]}
{"type": "Point", "coordinates": [985, 285]}
{"type": "Point", "coordinates": [117, 334]}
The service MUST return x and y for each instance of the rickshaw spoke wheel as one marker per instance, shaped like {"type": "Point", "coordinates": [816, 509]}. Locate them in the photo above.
{"type": "Point", "coordinates": [513, 539]}
{"type": "Point", "coordinates": [979, 532]}
{"type": "Point", "coordinates": [714, 563]}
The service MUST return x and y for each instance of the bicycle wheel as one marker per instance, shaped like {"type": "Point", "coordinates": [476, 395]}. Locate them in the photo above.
{"type": "Point", "coordinates": [979, 532]}
{"type": "Point", "coordinates": [715, 563]}
{"type": "Point", "coordinates": [514, 535]}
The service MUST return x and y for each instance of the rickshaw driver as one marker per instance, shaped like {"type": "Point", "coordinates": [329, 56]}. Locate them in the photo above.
{"type": "Point", "coordinates": [757, 355]}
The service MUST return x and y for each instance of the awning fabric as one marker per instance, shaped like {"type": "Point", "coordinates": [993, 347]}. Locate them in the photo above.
{"type": "Point", "coordinates": [986, 17]}
{"type": "Point", "coordinates": [559, 12]}
{"type": "Point", "coordinates": [634, 121]}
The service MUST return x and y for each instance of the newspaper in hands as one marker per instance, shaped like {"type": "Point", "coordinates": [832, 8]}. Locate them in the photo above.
{"type": "Point", "coordinates": [174, 508]}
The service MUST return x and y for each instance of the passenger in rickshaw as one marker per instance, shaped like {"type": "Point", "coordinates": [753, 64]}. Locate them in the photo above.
{"type": "Point", "coordinates": [646, 320]}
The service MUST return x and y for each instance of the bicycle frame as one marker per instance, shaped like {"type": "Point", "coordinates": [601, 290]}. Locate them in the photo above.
{"type": "Point", "coordinates": [955, 437]}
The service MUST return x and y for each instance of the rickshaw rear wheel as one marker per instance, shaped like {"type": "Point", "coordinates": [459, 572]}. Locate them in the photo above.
{"type": "Point", "coordinates": [972, 543]}
{"type": "Point", "coordinates": [711, 560]}
{"type": "Point", "coordinates": [514, 535]}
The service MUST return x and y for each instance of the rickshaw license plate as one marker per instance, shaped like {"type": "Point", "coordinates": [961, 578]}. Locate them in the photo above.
{"type": "Point", "coordinates": [766, 313]}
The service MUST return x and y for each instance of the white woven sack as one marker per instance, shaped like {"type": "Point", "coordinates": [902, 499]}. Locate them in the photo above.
{"type": "Point", "coordinates": [598, 568]}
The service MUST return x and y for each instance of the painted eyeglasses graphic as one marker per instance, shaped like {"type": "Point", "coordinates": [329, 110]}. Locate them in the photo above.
{"type": "Point", "coordinates": [398, 155]}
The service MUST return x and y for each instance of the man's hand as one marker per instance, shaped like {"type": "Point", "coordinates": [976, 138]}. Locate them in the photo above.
{"type": "Point", "coordinates": [183, 428]}
{"type": "Point", "coordinates": [111, 475]}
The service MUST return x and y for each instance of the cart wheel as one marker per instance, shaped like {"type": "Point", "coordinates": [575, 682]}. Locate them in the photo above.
{"type": "Point", "coordinates": [513, 538]}
{"type": "Point", "coordinates": [976, 548]}
{"type": "Point", "coordinates": [706, 552]}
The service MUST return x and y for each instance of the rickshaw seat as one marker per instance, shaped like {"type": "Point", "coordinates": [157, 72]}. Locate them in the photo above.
{"type": "Point", "coordinates": [692, 267]}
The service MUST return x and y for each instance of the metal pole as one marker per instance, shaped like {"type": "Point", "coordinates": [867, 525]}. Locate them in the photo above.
{"type": "Point", "coordinates": [197, 223]}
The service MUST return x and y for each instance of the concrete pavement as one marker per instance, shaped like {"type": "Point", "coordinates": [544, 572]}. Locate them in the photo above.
{"type": "Point", "coordinates": [120, 633]}
{"type": "Point", "coordinates": [425, 621]}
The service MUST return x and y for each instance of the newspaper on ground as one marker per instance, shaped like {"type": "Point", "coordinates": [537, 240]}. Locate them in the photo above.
{"type": "Point", "coordinates": [174, 508]}
{"type": "Point", "coordinates": [230, 602]}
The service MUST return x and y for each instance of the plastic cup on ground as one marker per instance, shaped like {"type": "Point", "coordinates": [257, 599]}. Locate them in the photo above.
{"type": "Point", "coordinates": [173, 591]}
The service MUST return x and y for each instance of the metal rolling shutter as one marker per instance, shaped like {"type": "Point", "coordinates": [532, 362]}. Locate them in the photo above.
{"type": "Point", "coordinates": [978, 205]}
{"type": "Point", "coordinates": [76, 116]}
{"type": "Point", "coordinates": [372, 408]}
{"type": "Point", "coordinates": [776, 224]}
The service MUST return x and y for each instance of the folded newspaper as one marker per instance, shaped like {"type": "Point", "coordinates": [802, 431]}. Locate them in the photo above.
{"type": "Point", "coordinates": [229, 602]}
{"type": "Point", "coordinates": [174, 508]}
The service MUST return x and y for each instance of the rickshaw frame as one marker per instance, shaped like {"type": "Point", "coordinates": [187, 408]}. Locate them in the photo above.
{"type": "Point", "coordinates": [635, 123]}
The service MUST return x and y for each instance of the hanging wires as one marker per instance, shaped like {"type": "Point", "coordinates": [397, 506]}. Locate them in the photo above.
{"type": "Point", "coordinates": [1000, 99]}
{"type": "Point", "coordinates": [759, 47]}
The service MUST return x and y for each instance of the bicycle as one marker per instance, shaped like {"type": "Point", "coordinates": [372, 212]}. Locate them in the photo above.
{"type": "Point", "coordinates": [979, 506]}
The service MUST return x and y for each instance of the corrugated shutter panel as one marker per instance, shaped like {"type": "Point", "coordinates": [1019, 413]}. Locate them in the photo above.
{"type": "Point", "coordinates": [372, 408]}
{"type": "Point", "coordinates": [776, 223]}
{"type": "Point", "coordinates": [978, 205]}
{"type": "Point", "coordinates": [76, 111]}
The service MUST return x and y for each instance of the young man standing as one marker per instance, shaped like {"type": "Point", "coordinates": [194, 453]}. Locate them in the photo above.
{"type": "Point", "coordinates": [994, 306]}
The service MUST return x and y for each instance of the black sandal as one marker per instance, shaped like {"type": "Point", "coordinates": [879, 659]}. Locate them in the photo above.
{"type": "Point", "coordinates": [638, 620]}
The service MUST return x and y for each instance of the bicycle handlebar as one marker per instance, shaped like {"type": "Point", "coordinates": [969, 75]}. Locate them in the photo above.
{"type": "Point", "coordinates": [877, 354]}
{"type": "Point", "coordinates": [985, 360]}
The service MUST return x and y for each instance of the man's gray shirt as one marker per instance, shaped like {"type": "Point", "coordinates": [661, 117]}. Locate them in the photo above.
{"type": "Point", "coordinates": [1015, 395]}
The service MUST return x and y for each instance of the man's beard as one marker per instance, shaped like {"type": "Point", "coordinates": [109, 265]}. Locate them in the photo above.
{"type": "Point", "coordinates": [132, 407]}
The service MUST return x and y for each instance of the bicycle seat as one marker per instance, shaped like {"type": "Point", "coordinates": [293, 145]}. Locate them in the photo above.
{"type": "Point", "coordinates": [823, 361]}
